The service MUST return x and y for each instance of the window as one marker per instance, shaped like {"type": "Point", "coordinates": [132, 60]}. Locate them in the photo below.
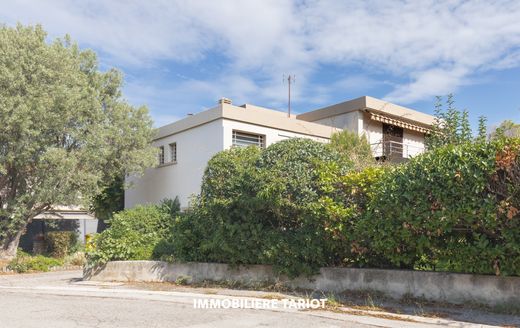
{"type": "Point", "coordinates": [161, 155]}
{"type": "Point", "coordinates": [244, 139]}
{"type": "Point", "coordinates": [173, 152]}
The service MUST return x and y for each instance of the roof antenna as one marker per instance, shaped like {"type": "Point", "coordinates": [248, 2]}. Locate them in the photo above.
{"type": "Point", "coordinates": [290, 80]}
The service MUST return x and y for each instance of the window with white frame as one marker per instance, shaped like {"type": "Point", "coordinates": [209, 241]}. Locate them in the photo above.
{"type": "Point", "coordinates": [245, 139]}
{"type": "Point", "coordinates": [173, 152]}
{"type": "Point", "coordinates": [161, 155]}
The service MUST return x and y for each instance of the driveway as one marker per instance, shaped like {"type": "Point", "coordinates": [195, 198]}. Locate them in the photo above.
{"type": "Point", "coordinates": [61, 299]}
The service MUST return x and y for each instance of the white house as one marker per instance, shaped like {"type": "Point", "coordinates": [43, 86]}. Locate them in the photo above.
{"type": "Point", "coordinates": [186, 146]}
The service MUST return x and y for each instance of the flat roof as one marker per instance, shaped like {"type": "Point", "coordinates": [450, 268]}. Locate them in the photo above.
{"type": "Point", "coordinates": [370, 104]}
{"type": "Point", "coordinates": [66, 213]}
{"type": "Point", "coordinates": [247, 114]}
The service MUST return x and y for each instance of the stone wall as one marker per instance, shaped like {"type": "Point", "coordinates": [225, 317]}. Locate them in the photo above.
{"type": "Point", "coordinates": [434, 286]}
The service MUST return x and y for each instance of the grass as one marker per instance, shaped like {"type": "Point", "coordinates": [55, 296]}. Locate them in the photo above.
{"type": "Point", "coordinates": [375, 315]}
{"type": "Point", "coordinates": [231, 284]}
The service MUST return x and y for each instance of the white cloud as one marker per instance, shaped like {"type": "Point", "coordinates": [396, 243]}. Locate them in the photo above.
{"type": "Point", "coordinates": [434, 46]}
{"type": "Point", "coordinates": [427, 83]}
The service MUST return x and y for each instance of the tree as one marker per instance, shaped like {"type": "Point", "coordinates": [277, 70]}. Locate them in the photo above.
{"type": "Point", "coordinates": [353, 149]}
{"type": "Point", "coordinates": [110, 201]}
{"type": "Point", "coordinates": [451, 126]}
{"type": "Point", "coordinates": [66, 132]}
{"type": "Point", "coordinates": [482, 129]}
{"type": "Point", "coordinates": [507, 128]}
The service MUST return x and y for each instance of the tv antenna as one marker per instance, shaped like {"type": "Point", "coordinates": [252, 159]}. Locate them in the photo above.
{"type": "Point", "coordinates": [291, 79]}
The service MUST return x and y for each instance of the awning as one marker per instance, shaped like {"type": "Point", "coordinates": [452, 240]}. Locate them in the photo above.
{"type": "Point", "coordinates": [400, 123]}
{"type": "Point", "coordinates": [66, 215]}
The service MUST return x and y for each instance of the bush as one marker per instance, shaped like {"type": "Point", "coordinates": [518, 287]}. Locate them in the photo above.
{"type": "Point", "coordinates": [298, 207]}
{"type": "Point", "coordinates": [438, 212]}
{"type": "Point", "coordinates": [76, 258]}
{"type": "Point", "coordinates": [61, 243]}
{"type": "Point", "coordinates": [133, 234]}
{"type": "Point", "coordinates": [256, 207]}
{"type": "Point", "coordinates": [343, 204]}
{"type": "Point", "coordinates": [27, 263]}
{"type": "Point", "coordinates": [217, 227]}
{"type": "Point", "coordinates": [353, 149]}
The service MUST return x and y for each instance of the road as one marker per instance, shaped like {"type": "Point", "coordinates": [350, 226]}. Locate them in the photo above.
{"type": "Point", "coordinates": [60, 299]}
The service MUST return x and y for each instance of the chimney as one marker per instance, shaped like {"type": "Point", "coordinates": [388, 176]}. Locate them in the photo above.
{"type": "Point", "coordinates": [223, 100]}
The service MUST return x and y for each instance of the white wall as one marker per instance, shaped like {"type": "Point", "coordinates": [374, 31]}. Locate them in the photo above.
{"type": "Point", "coordinates": [374, 133]}
{"type": "Point", "coordinates": [194, 148]}
{"type": "Point", "coordinates": [271, 135]}
{"type": "Point", "coordinates": [413, 143]}
{"type": "Point", "coordinates": [197, 145]}
{"type": "Point", "coordinates": [352, 121]}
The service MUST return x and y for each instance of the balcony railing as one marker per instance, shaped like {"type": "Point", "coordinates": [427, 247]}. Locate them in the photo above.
{"type": "Point", "coordinates": [393, 150]}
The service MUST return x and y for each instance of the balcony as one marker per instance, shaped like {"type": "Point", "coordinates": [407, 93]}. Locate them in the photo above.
{"type": "Point", "coordinates": [395, 151]}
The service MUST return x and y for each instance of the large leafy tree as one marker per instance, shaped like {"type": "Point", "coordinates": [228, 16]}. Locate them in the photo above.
{"type": "Point", "coordinates": [65, 131]}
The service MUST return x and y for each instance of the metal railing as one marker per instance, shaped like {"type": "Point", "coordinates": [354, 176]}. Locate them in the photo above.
{"type": "Point", "coordinates": [395, 150]}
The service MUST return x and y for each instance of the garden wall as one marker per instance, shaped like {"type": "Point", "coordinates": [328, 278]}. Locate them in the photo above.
{"type": "Point", "coordinates": [434, 286]}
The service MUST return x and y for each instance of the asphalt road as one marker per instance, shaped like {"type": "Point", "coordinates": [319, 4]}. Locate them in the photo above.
{"type": "Point", "coordinates": [61, 299]}
{"type": "Point", "coordinates": [57, 300]}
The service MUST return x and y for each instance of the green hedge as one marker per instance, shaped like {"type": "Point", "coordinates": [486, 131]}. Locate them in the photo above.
{"type": "Point", "coordinates": [298, 205]}
{"type": "Point", "coordinates": [61, 243]}
{"type": "Point", "coordinates": [256, 206]}
{"type": "Point", "coordinates": [133, 234]}
{"type": "Point", "coordinates": [442, 211]}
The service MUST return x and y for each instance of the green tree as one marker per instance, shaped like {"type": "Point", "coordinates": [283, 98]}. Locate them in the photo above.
{"type": "Point", "coordinates": [66, 132]}
{"type": "Point", "coordinates": [482, 129]}
{"type": "Point", "coordinates": [451, 126]}
{"type": "Point", "coordinates": [354, 149]}
{"type": "Point", "coordinates": [507, 128]}
{"type": "Point", "coordinates": [110, 201]}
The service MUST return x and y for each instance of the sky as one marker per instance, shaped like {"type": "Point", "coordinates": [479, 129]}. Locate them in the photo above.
{"type": "Point", "coordinates": [181, 56]}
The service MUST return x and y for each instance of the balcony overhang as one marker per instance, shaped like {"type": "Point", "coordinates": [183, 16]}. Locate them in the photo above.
{"type": "Point", "coordinates": [66, 214]}
{"type": "Point", "coordinates": [398, 122]}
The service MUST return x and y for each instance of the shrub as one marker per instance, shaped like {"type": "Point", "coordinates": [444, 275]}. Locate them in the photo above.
{"type": "Point", "coordinates": [438, 212]}
{"type": "Point", "coordinates": [76, 258]}
{"type": "Point", "coordinates": [27, 263]}
{"type": "Point", "coordinates": [133, 234]}
{"type": "Point", "coordinates": [217, 227]}
{"type": "Point", "coordinates": [297, 207]}
{"type": "Point", "coordinates": [61, 243]}
{"type": "Point", "coordinates": [353, 148]}
{"type": "Point", "coordinates": [256, 207]}
{"type": "Point", "coordinates": [343, 204]}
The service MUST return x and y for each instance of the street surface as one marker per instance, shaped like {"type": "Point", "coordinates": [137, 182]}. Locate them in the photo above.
{"type": "Point", "coordinates": [61, 299]}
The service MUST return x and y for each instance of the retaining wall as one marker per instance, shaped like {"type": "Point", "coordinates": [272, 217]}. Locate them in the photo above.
{"type": "Point", "coordinates": [434, 286]}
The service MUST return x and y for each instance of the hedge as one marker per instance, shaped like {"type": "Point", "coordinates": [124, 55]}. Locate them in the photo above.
{"type": "Point", "coordinates": [256, 206]}
{"type": "Point", "coordinates": [298, 205]}
{"type": "Point", "coordinates": [441, 212]}
{"type": "Point", "coordinates": [133, 234]}
{"type": "Point", "coordinates": [61, 243]}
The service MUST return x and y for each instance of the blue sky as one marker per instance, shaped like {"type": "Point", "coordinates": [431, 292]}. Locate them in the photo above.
{"type": "Point", "coordinates": [179, 57]}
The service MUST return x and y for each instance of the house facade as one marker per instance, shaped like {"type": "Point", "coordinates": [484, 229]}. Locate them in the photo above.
{"type": "Point", "coordinates": [186, 146]}
{"type": "Point", "coordinates": [393, 131]}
